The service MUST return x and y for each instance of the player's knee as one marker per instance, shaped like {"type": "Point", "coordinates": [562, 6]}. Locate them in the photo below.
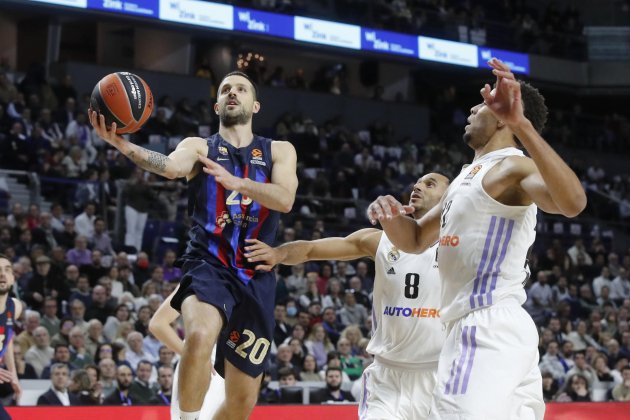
{"type": "Point", "coordinates": [199, 340]}
{"type": "Point", "coordinates": [244, 399]}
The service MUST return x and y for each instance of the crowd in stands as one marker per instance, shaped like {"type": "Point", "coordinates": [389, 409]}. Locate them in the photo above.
{"type": "Point", "coordinates": [534, 27]}
{"type": "Point", "coordinates": [89, 298]}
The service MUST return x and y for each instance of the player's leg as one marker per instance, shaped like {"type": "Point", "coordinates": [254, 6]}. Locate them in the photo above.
{"type": "Point", "coordinates": [380, 393]}
{"type": "Point", "coordinates": [202, 323]}
{"type": "Point", "coordinates": [241, 394]}
{"type": "Point", "coordinates": [486, 357]}
{"type": "Point", "coordinates": [528, 400]}
{"type": "Point", "coordinates": [418, 389]}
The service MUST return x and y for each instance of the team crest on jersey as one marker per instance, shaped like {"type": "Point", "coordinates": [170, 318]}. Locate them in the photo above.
{"type": "Point", "coordinates": [393, 255]}
{"type": "Point", "coordinates": [474, 171]}
{"type": "Point", "coordinates": [223, 219]}
{"type": "Point", "coordinates": [223, 150]}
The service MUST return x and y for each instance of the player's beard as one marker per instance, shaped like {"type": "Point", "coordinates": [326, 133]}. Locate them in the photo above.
{"type": "Point", "coordinates": [4, 290]}
{"type": "Point", "coordinates": [230, 120]}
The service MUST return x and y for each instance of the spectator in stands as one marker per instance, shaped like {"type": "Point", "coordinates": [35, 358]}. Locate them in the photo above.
{"type": "Point", "coordinates": [318, 344]}
{"type": "Point", "coordinates": [58, 393]}
{"type": "Point", "coordinates": [604, 279]}
{"type": "Point", "coordinates": [94, 337]}
{"type": "Point", "coordinates": [332, 327]}
{"type": "Point", "coordinates": [268, 395]}
{"type": "Point", "coordinates": [40, 353]}
{"type": "Point", "coordinates": [333, 391]}
{"type": "Point", "coordinates": [151, 344]}
{"type": "Point", "coordinates": [120, 396]}
{"type": "Point", "coordinates": [313, 291]}
{"type": "Point", "coordinates": [108, 382]}
{"type": "Point", "coordinates": [98, 308]}
{"type": "Point", "coordinates": [310, 371]}
{"type": "Point", "coordinates": [84, 222]}
{"type": "Point", "coordinates": [620, 286]}
{"type": "Point", "coordinates": [575, 390]}
{"type": "Point", "coordinates": [24, 369]}
{"type": "Point", "coordinates": [171, 273]}
{"type": "Point", "coordinates": [77, 313]}
{"type": "Point", "coordinates": [72, 274]}
{"type": "Point", "coordinates": [80, 254]}
{"type": "Point", "coordinates": [144, 317]}
{"type": "Point", "coordinates": [580, 338]}
{"type": "Point", "coordinates": [142, 391]}
{"type": "Point", "coordinates": [334, 295]}
{"type": "Point", "coordinates": [350, 364]}
{"type": "Point", "coordinates": [622, 391]}
{"type": "Point", "coordinates": [282, 330]}
{"type": "Point", "coordinates": [103, 351]}
{"type": "Point", "coordinates": [540, 299]}
{"type": "Point", "coordinates": [583, 368]}
{"type": "Point", "coordinates": [352, 313]}
{"type": "Point", "coordinates": [80, 357]}
{"type": "Point", "coordinates": [614, 352]}
{"type": "Point", "coordinates": [63, 336]}
{"type": "Point", "coordinates": [121, 314]}
{"type": "Point", "coordinates": [165, 357]}
{"type": "Point", "coordinates": [66, 237]}
{"type": "Point", "coordinates": [578, 250]}
{"type": "Point", "coordinates": [49, 320]}
{"type": "Point", "coordinates": [43, 283]}
{"type": "Point", "coordinates": [101, 241]}
{"type": "Point", "coordinates": [550, 386]}
{"type": "Point", "coordinates": [138, 201]}
{"type": "Point", "coordinates": [81, 387]}
{"type": "Point", "coordinates": [552, 362]}
{"type": "Point", "coordinates": [283, 360]}
{"type": "Point", "coordinates": [25, 339]}
{"type": "Point", "coordinates": [286, 377]}
{"type": "Point", "coordinates": [44, 233]}
{"type": "Point", "coordinates": [61, 355]}
{"type": "Point", "coordinates": [163, 395]}
{"type": "Point", "coordinates": [136, 351]}
{"type": "Point", "coordinates": [296, 282]}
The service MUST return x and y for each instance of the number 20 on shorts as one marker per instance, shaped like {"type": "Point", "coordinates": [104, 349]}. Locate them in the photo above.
{"type": "Point", "coordinates": [258, 350]}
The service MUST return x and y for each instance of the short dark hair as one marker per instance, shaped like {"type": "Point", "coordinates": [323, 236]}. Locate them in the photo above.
{"type": "Point", "coordinates": [60, 345]}
{"type": "Point", "coordinates": [4, 257]}
{"type": "Point", "coordinates": [286, 371]}
{"type": "Point", "coordinates": [534, 106]}
{"type": "Point", "coordinates": [240, 73]}
{"type": "Point", "coordinates": [332, 369]}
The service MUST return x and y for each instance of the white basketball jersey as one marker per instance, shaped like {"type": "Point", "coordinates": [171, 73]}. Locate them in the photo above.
{"type": "Point", "coordinates": [406, 326]}
{"type": "Point", "coordinates": [483, 243]}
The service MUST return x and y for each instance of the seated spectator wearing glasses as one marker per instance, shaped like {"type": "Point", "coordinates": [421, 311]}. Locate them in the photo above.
{"type": "Point", "coordinates": [58, 393]}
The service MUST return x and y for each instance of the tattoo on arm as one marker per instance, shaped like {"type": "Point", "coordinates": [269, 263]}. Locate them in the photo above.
{"type": "Point", "coordinates": [153, 162]}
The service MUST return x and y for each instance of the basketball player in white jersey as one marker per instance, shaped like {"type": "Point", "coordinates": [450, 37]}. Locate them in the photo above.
{"type": "Point", "coordinates": [160, 327]}
{"type": "Point", "coordinates": [486, 224]}
{"type": "Point", "coordinates": [407, 333]}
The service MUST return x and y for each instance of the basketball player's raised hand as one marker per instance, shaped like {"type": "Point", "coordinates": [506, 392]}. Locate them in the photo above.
{"type": "Point", "coordinates": [386, 208]}
{"type": "Point", "coordinates": [220, 174]}
{"type": "Point", "coordinates": [505, 101]}
{"type": "Point", "coordinates": [98, 122]}
{"type": "Point", "coordinates": [260, 251]}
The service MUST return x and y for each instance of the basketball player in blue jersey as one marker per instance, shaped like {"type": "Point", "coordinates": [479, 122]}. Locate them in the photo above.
{"type": "Point", "coordinates": [239, 183]}
{"type": "Point", "coordinates": [407, 335]}
{"type": "Point", "coordinates": [10, 310]}
{"type": "Point", "coordinates": [488, 368]}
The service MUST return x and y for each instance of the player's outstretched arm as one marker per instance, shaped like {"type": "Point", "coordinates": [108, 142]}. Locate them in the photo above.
{"type": "Point", "coordinates": [550, 183]}
{"type": "Point", "coordinates": [178, 164]}
{"type": "Point", "coordinates": [160, 325]}
{"type": "Point", "coordinates": [277, 195]}
{"type": "Point", "coordinates": [362, 243]}
{"type": "Point", "coordinates": [408, 235]}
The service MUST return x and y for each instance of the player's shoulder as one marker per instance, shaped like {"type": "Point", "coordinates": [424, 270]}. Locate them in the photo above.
{"type": "Point", "coordinates": [193, 142]}
{"type": "Point", "coordinates": [516, 166]}
{"type": "Point", "coordinates": [282, 149]}
{"type": "Point", "coordinates": [18, 307]}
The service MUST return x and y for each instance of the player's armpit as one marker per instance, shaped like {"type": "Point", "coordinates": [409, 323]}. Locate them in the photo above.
{"type": "Point", "coordinates": [182, 160]}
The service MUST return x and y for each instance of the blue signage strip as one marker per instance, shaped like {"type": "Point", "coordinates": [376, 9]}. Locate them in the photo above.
{"type": "Point", "coordinates": [518, 62]}
{"type": "Point", "coordinates": [255, 21]}
{"type": "Point", "coordinates": [147, 8]}
{"type": "Point", "coordinates": [299, 28]}
{"type": "Point", "coordinates": [389, 42]}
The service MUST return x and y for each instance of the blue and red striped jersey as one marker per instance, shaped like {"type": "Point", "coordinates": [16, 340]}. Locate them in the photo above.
{"type": "Point", "coordinates": [223, 219]}
{"type": "Point", "coordinates": [6, 326]}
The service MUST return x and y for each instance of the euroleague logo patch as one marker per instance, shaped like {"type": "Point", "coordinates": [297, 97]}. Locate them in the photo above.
{"type": "Point", "coordinates": [234, 336]}
{"type": "Point", "coordinates": [256, 154]}
{"type": "Point", "coordinates": [474, 171]}
{"type": "Point", "coordinates": [111, 89]}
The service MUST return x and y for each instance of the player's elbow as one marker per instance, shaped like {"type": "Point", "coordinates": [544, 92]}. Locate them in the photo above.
{"type": "Point", "coordinates": [154, 327]}
{"type": "Point", "coordinates": [287, 205]}
{"type": "Point", "coordinates": [576, 206]}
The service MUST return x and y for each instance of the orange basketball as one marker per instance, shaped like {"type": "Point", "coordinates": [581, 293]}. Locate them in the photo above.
{"type": "Point", "coordinates": [123, 98]}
